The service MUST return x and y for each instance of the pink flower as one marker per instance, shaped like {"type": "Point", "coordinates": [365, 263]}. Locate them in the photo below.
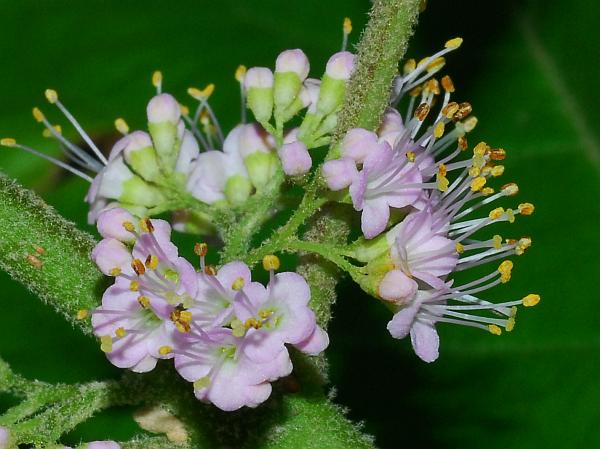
{"type": "Point", "coordinates": [421, 249]}
{"type": "Point", "coordinates": [278, 315]}
{"type": "Point", "coordinates": [386, 180]}
{"type": "Point", "coordinates": [144, 309]}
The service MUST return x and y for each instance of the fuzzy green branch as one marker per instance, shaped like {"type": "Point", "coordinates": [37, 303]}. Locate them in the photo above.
{"type": "Point", "coordinates": [47, 254]}
{"type": "Point", "coordinates": [382, 45]}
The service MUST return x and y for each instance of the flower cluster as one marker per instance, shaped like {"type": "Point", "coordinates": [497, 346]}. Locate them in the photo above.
{"type": "Point", "coordinates": [227, 334]}
{"type": "Point", "coordinates": [411, 265]}
{"type": "Point", "coordinates": [185, 157]}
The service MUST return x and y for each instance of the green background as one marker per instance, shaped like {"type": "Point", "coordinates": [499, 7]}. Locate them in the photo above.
{"type": "Point", "coordinates": [530, 69]}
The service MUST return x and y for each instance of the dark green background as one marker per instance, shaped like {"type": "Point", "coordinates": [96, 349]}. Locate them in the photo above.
{"type": "Point", "coordinates": [531, 71]}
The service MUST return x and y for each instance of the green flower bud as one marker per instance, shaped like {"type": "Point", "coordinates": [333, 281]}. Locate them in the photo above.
{"type": "Point", "coordinates": [237, 189]}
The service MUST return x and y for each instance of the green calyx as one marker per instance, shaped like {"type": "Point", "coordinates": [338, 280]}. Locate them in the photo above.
{"type": "Point", "coordinates": [166, 142]}
{"type": "Point", "coordinates": [261, 166]}
{"type": "Point", "coordinates": [238, 189]}
{"type": "Point", "coordinates": [260, 101]}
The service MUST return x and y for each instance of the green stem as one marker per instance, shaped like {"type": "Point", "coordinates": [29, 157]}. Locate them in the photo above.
{"type": "Point", "coordinates": [382, 45]}
{"type": "Point", "coordinates": [47, 254]}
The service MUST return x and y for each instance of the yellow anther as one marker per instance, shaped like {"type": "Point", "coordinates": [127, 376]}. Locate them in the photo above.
{"type": "Point", "coordinates": [513, 311]}
{"type": "Point", "coordinates": [422, 111]}
{"type": "Point", "coordinates": [415, 92]}
{"type": "Point", "coordinates": [469, 124]}
{"type": "Point", "coordinates": [510, 324]}
{"type": "Point", "coordinates": [462, 143]}
{"type": "Point", "coordinates": [442, 171]}
{"type": "Point", "coordinates": [134, 286]}
{"type": "Point", "coordinates": [185, 111]}
{"type": "Point", "coordinates": [115, 272]}
{"type": "Point", "coordinates": [238, 284]}
{"type": "Point", "coordinates": [48, 133]}
{"type": "Point", "coordinates": [138, 267]}
{"type": "Point", "coordinates": [82, 314]}
{"type": "Point", "coordinates": [8, 142]}
{"type": "Point", "coordinates": [442, 183]}
{"type": "Point", "coordinates": [38, 115]}
{"type": "Point", "coordinates": [122, 126]}
{"type": "Point", "coordinates": [432, 86]}
{"type": "Point", "coordinates": [240, 72]}
{"type": "Point", "coordinates": [157, 78]}
{"type": "Point", "coordinates": [454, 43]}
{"type": "Point", "coordinates": [497, 241]}
{"type": "Point", "coordinates": [146, 225]}
{"type": "Point", "coordinates": [264, 314]}
{"type": "Point", "coordinates": [531, 300]}
{"type": "Point", "coordinates": [497, 213]}
{"type": "Point", "coordinates": [144, 301]}
{"type": "Point", "coordinates": [422, 61]}
{"type": "Point", "coordinates": [201, 249]}
{"type": "Point", "coordinates": [447, 84]}
{"type": "Point", "coordinates": [129, 226]}
{"type": "Point", "coordinates": [51, 95]}
{"type": "Point", "coordinates": [411, 156]}
{"type": "Point", "coordinates": [459, 248]}
{"type": "Point", "coordinates": [505, 270]}
{"type": "Point", "coordinates": [253, 322]}
{"type": "Point", "coordinates": [474, 171]}
{"type": "Point", "coordinates": [497, 154]}
{"type": "Point", "coordinates": [522, 245]}
{"type": "Point", "coordinates": [526, 208]}
{"type": "Point", "coordinates": [497, 170]}
{"type": "Point", "coordinates": [409, 66]}
{"type": "Point", "coordinates": [496, 330]}
{"type": "Point", "coordinates": [202, 383]}
{"type": "Point", "coordinates": [450, 109]}
{"type": "Point", "coordinates": [464, 109]}
{"type": "Point", "coordinates": [510, 215]}
{"type": "Point", "coordinates": [151, 262]}
{"type": "Point", "coordinates": [165, 350]}
{"type": "Point", "coordinates": [487, 191]}
{"type": "Point", "coordinates": [436, 64]}
{"type": "Point", "coordinates": [201, 94]}
{"type": "Point", "coordinates": [120, 332]}
{"type": "Point", "coordinates": [480, 149]}
{"type": "Point", "coordinates": [210, 270]}
{"type": "Point", "coordinates": [478, 183]}
{"type": "Point", "coordinates": [271, 262]}
{"type": "Point", "coordinates": [510, 189]}
{"type": "Point", "coordinates": [438, 130]}
{"type": "Point", "coordinates": [106, 343]}
{"type": "Point", "coordinates": [347, 27]}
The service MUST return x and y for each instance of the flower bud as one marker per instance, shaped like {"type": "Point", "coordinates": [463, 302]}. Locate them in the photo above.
{"type": "Point", "coordinates": [291, 69]}
{"type": "Point", "coordinates": [103, 445]}
{"type": "Point", "coordinates": [309, 94]}
{"type": "Point", "coordinates": [141, 156]}
{"type": "Point", "coordinates": [357, 144]}
{"type": "Point", "coordinates": [259, 89]}
{"type": "Point", "coordinates": [293, 61]}
{"type": "Point", "coordinates": [340, 66]}
{"type": "Point", "coordinates": [163, 116]}
{"type": "Point", "coordinates": [391, 126]}
{"type": "Point", "coordinates": [295, 158]}
{"type": "Point", "coordinates": [397, 287]}
{"type": "Point", "coordinates": [119, 183]}
{"type": "Point", "coordinates": [333, 85]}
{"type": "Point", "coordinates": [339, 173]}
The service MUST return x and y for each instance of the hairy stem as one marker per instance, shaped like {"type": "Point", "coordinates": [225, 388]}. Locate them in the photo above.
{"type": "Point", "coordinates": [382, 45]}
{"type": "Point", "coordinates": [47, 254]}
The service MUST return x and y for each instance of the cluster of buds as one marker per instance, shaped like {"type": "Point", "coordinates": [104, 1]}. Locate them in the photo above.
{"type": "Point", "coordinates": [275, 98]}
{"type": "Point", "coordinates": [227, 334]}
{"type": "Point", "coordinates": [429, 238]}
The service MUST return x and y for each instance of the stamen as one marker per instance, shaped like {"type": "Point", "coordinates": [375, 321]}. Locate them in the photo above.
{"type": "Point", "coordinates": [240, 74]}
{"type": "Point", "coordinates": [122, 126]}
{"type": "Point", "coordinates": [52, 97]}
{"type": "Point", "coordinates": [346, 29]}
{"type": "Point", "coordinates": [157, 79]}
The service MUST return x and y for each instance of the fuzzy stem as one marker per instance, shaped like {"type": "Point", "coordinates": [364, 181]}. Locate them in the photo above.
{"type": "Point", "coordinates": [382, 45]}
{"type": "Point", "coordinates": [47, 254]}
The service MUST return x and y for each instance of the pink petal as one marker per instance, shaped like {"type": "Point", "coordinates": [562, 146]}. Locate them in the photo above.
{"type": "Point", "coordinates": [374, 219]}
{"type": "Point", "coordinates": [425, 340]}
{"type": "Point", "coordinates": [316, 343]}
